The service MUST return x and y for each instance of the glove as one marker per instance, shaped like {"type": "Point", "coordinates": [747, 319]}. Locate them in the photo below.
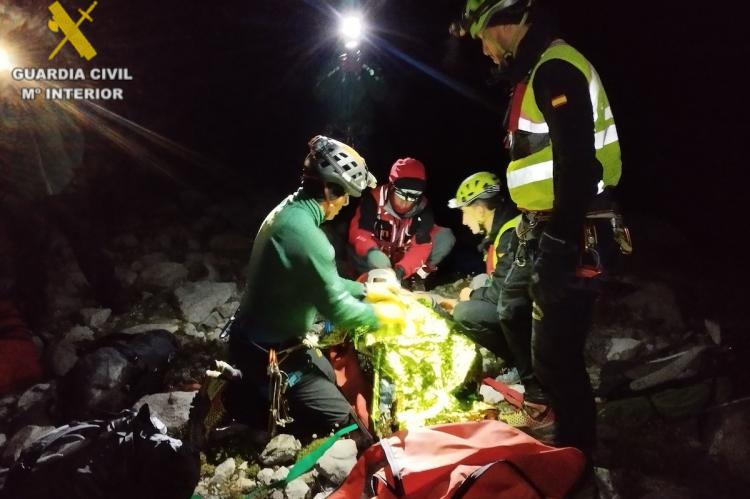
{"type": "Point", "coordinates": [376, 259]}
{"type": "Point", "coordinates": [553, 268]}
{"type": "Point", "coordinates": [382, 292]}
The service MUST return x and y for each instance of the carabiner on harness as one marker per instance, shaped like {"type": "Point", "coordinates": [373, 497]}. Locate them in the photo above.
{"type": "Point", "coordinates": [278, 412]}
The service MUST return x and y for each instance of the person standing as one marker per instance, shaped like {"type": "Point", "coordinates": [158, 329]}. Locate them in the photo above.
{"type": "Point", "coordinates": [565, 158]}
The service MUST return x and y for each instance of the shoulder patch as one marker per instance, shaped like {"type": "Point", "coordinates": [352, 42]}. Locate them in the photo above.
{"type": "Point", "coordinates": [560, 100]}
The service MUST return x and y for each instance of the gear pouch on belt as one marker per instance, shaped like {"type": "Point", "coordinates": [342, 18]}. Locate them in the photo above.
{"type": "Point", "coordinates": [601, 248]}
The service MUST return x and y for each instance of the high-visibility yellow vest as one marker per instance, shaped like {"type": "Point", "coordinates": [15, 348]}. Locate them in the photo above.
{"type": "Point", "coordinates": [530, 178]}
{"type": "Point", "coordinates": [493, 250]}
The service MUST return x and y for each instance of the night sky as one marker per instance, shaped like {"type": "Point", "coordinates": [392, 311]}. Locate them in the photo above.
{"type": "Point", "coordinates": [232, 81]}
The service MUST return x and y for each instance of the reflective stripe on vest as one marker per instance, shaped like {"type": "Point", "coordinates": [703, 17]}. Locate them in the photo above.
{"type": "Point", "coordinates": [510, 224]}
{"type": "Point", "coordinates": [530, 178]}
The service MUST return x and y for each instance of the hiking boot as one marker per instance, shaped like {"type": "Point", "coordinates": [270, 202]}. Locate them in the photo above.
{"type": "Point", "coordinates": [540, 426]}
{"type": "Point", "coordinates": [509, 376]}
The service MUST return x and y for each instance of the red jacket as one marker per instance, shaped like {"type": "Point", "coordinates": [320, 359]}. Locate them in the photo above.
{"type": "Point", "coordinates": [407, 239]}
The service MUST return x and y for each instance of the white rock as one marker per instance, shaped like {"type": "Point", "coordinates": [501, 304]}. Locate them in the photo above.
{"type": "Point", "coordinates": [297, 489]}
{"type": "Point", "coordinates": [338, 461]}
{"type": "Point", "coordinates": [172, 408]}
{"type": "Point", "coordinates": [246, 484]}
{"type": "Point", "coordinates": [214, 320]}
{"type": "Point", "coordinates": [223, 471]}
{"type": "Point", "coordinates": [95, 317]}
{"type": "Point", "coordinates": [714, 331]}
{"type": "Point", "coordinates": [276, 494]}
{"type": "Point", "coordinates": [265, 476]}
{"type": "Point", "coordinates": [190, 330]}
{"type": "Point", "coordinates": [144, 328]}
{"type": "Point", "coordinates": [3, 439]}
{"type": "Point", "coordinates": [79, 333]}
{"type": "Point", "coordinates": [281, 473]}
{"type": "Point", "coordinates": [282, 449]}
{"type": "Point", "coordinates": [8, 400]}
{"type": "Point", "coordinates": [197, 300]}
{"type": "Point", "coordinates": [623, 348]}
{"type": "Point", "coordinates": [33, 395]}
{"type": "Point", "coordinates": [228, 309]}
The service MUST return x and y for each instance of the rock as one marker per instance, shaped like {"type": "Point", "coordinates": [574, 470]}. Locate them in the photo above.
{"type": "Point", "coordinates": [623, 349]}
{"type": "Point", "coordinates": [214, 320]}
{"type": "Point", "coordinates": [64, 357]}
{"type": "Point", "coordinates": [297, 489]}
{"type": "Point", "coordinates": [21, 441]}
{"type": "Point", "coordinates": [95, 317]}
{"type": "Point", "coordinates": [323, 494]}
{"type": "Point", "coordinates": [163, 275]}
{"type": "Point", "coordinates": [3, 439]}
{"type": "Point", "coordinates": [198, 299]}
{"type": "Point", "coordinates": [228, 309]}
{"type": "Point", "coordinates": [223, 471]}
{"type": "Point", "coordinates": [338, 461]}
{"type": "Point", "coordinates": [714, 331]}
{"type": "Point", "coordinates": [281, 473]}
{"type": "Point", "coordinates": [144, 328]}
{"type": "Point", "coordinates": [282, 449]}
{"type": "Point", "coordinates": [34, 395]}
{"type": "Point", "coordinates": [214, 334]}
{"type": "Point", "coordinates": [189, 330]}
{"type": "Point", "coordinates": [265, 476]}
{"type": "Point", "coordinates": [246, 484]}
{"type": "Point", "coordinates": [276, 494]}
{"type": "Point", "coordinates": [79, 333]}
{"type": "Point", "coordinates": [172, 408]}
{"type": "Point", "coordinates": [490, 395]}
{"type": "Point", "coordinates": [656, 301]}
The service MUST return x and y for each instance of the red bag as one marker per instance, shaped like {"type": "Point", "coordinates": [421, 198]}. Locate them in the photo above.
{"type": "Point", "coordinates": [477, 460]}
{"type": "Point", "coordinates": [19, 359]}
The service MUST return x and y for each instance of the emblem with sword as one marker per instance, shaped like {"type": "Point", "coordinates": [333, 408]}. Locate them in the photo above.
{"type": "Point", "coordinates": [62, 21]}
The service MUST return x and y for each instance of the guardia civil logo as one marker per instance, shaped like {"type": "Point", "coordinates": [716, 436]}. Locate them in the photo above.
{"type": "Point", "coordinates": [61, 22]}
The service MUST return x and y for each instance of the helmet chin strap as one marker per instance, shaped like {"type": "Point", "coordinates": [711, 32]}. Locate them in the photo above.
{"type": "Point", "coordinates": [510, 55]}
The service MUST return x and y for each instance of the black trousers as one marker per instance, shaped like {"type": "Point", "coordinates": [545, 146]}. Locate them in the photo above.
{"type": "Point", "coordinates": [315, 402]}
{"type": "Point", "coordinates": [555, 339]}
{"type": "Point", "coordinates": [479, 321]}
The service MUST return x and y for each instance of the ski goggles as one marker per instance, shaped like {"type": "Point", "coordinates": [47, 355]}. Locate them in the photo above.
{"type": "Point", "coordinates": [407, 194]}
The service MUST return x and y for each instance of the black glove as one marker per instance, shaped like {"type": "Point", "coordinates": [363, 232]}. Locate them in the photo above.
{"type": "Point", "coordinates": [553, 269]}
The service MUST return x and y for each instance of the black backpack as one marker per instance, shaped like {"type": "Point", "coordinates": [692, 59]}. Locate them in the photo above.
{"type": "Point", "coordinates": [122, 458]}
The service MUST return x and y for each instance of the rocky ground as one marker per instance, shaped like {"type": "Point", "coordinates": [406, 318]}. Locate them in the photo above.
{"type": "Point", "coordinates": [183, 263]}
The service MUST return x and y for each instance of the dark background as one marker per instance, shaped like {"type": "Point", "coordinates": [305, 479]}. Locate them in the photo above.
{"type": "Point", "coordinates": [232, 82]}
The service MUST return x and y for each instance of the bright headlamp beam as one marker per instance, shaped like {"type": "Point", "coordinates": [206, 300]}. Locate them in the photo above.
{"type": "Point", "coordinates": [351, 28]}
{"type": "Point", "coordinates": [5, 63]}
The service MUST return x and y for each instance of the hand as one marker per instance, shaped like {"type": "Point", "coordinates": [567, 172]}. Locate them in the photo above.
{"type": "Point", "coordinates": [465, 294]}
{"type": "Point", "coordinates": [390, 315]}
{"type": "Point", "coordinates": [553, 268]}
{"type": "Point", "coordinates": [376, 259]}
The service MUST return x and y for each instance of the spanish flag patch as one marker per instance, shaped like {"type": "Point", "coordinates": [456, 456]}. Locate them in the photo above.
{"type": "Point", "coordinates": [560, 100]}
